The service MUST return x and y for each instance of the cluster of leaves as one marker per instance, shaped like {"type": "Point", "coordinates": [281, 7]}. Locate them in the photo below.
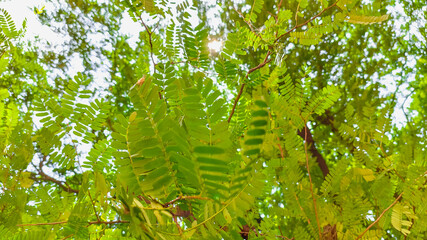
{"type": "Point", "coordinates": [291, 157]}
{"type": "Point", "coordinates": [8, 31]}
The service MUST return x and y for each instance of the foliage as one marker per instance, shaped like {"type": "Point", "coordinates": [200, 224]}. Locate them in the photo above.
{"type": "Point", "coordinates": [283, 134]}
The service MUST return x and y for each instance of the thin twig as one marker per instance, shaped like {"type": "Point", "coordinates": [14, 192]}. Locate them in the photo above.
{"type": "Point", "coordinates": [45, 177]}
{"type": "Point", "coordinates": [296, 14]}
{"type": "Point", "coordinates": [175, 219]}
{"type": "Point", "coordinates": [282, 154]}
{"type": "Point", "coordinates": [306, 22]}
{"type": "Point", "coordinates": [404, 111]}
{"type": "Point", "coordinates": [412, 221]}
{"type": "Point", "coordinates": [387, 157]}
{"type": "Point", "coordinates": [382, 214]}
{"type": "Point", "coordinates": [249, 24]}
{"type": "Point", "coordinates": [280, 229]}
{"type": "Point", "coordinates": [41, 224]}
{"type": "Point", "coordinates": [311, 183]}
{"type": "Point", "coordinates": [68, 236]}
{"type": "Point", "coordinates": [108, 222]}
{"type": "Point", "coordinates": [279, 6]}
{"type": "Point", "coordinates": [184, 197]}
{"type": "Point", "coordinates": [64, 222]}
{"type": "Point", "coordinates": [93, 205]}
{"type": "Point", "coordinates": [302, 209]}
{"type": "Point", "coordinates": [266, 60]}
{"type": "Point", "coordinates": [150, 41]}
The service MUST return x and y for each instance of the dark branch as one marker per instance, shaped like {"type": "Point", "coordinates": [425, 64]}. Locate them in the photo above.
{"type": "Point", "coordinates": [46, 178]}
{"type": "Point", "coordinates": [312, 148]}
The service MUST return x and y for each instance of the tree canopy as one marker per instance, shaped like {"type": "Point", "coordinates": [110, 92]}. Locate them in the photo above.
{"type": "Point", "coordinates": [288, 132]}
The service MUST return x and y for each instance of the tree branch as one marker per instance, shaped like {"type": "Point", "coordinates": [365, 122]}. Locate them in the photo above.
{"type": "Point", "coordinates": [51, 179]}
{"type": "Point", "coordinates": [41, 224]}
{"type": "Point", "coordinates": [68, 236]}
{"type": "Point", "coordinates": [306, 22]}
{"type": "Point", "coordinates": [266, 60]}
{"type": "Point", "coordinates": [381, 215]}
{"type": "Point", "coordinates": [308, 137]}
{"type": "Point", "coordinates": [302, 209]}
{"type": "Point", "coordinates": [45, 177]}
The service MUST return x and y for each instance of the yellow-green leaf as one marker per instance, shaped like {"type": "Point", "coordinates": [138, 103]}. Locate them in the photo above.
{"type": "Point", "coordinates": [132, 117]}
{"type": "Point", "coordinates": [227, 215]}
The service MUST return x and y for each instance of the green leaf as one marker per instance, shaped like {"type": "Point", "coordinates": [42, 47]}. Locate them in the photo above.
{"type": "Point", "coordinates": [209, 150]}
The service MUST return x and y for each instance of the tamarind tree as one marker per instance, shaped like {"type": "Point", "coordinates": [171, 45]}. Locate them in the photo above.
{"type": "Point", "coordinates": [285, 133]}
